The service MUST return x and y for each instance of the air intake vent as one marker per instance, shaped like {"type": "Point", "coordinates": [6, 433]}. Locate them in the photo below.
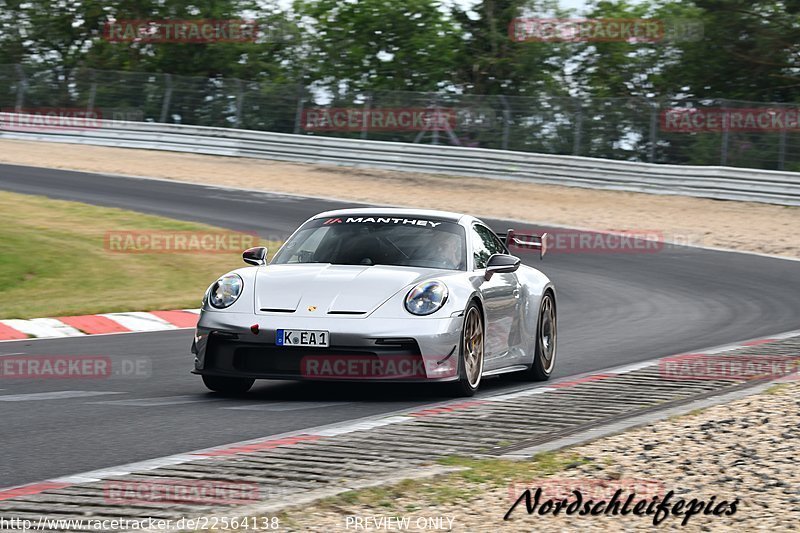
{"type": "Point", "coordinates": [347, 312]}
{"type": "Point", "coordinates": [270, 310]}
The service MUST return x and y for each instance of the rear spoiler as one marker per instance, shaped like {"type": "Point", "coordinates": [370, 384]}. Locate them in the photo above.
{"type": "Point", "coordinates": [517, 240]}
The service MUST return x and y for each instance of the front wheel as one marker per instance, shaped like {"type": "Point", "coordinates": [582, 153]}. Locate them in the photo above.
{"type": "Point", "coordinates": [226, 385]}
{"type": "Point", "coordinates": [544, 357]}
{"type": "Point", "coordinates": [470, 367]}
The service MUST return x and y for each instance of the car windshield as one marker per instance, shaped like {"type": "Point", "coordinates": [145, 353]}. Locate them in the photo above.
{"type": "Point", "coordinates": [378, 240]}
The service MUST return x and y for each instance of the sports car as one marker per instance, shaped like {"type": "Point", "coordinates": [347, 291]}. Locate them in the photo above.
{"type": "Point", "coordinates": [383, 295]}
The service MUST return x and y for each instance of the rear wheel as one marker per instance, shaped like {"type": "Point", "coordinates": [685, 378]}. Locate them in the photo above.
{"type": "Point", "coordinates": [470, 367]}
{"type": "Point", "coordinates": [544, 358]}
{"type": "Point", "coordinates": [226, 385]}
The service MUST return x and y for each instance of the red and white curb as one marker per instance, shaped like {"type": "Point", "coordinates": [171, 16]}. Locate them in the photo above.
{"type": "Point", "coordinates": [363, 424]}
{"type": "Point", "coordinates": [104, 324]}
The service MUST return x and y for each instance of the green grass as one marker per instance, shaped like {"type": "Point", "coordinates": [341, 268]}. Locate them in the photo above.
{"type": "Point", "coordinates": [54, 261]}
{"type": "Point", "coordinates": [693, 412]}
{"type": "Point", "coordinates": [463, 485]}
{"type": "Point", "coordinates": [777, 389]}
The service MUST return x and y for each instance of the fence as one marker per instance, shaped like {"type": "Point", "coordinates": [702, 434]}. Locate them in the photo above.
{"type": "Point", "coordinates": [626, 129]}
{"type": "Point", "coordinates": [713, 182]}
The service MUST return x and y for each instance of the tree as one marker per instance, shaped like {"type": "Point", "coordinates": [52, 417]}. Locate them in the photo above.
{"type": "Point", "coordinates": [374, 45]}
{"type": "Point", "coordinates": [490, 62]}
{"type": "Point", "coordinates": [755, 52]}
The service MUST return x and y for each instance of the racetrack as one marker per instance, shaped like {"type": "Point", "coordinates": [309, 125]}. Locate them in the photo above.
{"type": "Point", "coordinates": [614, 308]}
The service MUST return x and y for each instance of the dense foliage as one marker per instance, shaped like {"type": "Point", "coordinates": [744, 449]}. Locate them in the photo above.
{"type": "Point", "coordinates": [597, 98]}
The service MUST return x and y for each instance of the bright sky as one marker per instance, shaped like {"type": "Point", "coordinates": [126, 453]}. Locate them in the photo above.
{"type": "Point", "coordinates": [577, 5]}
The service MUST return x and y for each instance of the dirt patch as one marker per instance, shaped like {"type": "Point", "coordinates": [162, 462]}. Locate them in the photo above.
{"type": "Point", "coordinates": [746, 226]}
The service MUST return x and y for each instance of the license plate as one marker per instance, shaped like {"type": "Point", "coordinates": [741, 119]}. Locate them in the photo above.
{"type": "Point", "coordinates": [302, 337]}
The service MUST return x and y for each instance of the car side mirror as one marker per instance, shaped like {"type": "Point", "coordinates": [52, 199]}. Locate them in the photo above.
{"type": "Point", "coordinates": [255, 256]}
{"type": "Point", "coordinates": [501, 264]}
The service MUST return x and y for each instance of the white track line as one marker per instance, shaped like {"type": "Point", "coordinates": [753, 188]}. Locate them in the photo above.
{"type": "Point", "coordinates": [285, 406]}
{"type": "Point", "coordinates": [362, 426]}
{"type": "Point", "coordinates": [518, 394]}
{"type": "Point", "coordinates": [160, 401]}
{"type": "Point", "coordinates": [122, 470]}
{"type": "Point", "coordinates": [55, 395]}
{"type": "Point", "coordinates": [631, 368]}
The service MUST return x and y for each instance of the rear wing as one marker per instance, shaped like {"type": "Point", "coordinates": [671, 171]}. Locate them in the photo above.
{"type": "Point", "coordinates": [518, 240]}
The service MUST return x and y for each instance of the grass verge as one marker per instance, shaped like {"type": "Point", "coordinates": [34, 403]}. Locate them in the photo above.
{"type": "Point", "coordinates": [473, 479]}
{"type": "Point", "coordinates": [57, 259]}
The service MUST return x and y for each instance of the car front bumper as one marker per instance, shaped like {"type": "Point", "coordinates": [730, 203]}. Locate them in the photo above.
{"type": "Point", "coordinates": [409, 349]}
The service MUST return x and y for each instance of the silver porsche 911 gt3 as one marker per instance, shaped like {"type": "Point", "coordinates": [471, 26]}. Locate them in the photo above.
{"type": "Point", "coordinates": [380, 294]}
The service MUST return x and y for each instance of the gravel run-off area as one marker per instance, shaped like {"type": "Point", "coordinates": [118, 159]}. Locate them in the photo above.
{"type": "Point", "coordinates": [744, 451]}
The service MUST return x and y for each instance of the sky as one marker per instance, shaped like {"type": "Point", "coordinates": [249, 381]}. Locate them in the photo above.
{"type": "Point", "coordinates": [577, 5]}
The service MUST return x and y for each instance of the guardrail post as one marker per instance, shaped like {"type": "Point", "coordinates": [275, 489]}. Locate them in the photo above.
{"type": "Point", "coordinates": [167, 98]}
{"type": "Point", "coordinates": [92, 92]}
{"type": "Point", "coordinates": [506, 121]}
{"type": "Point", "coordinates": [723, 152]}
{"type": "Point", "coordinates": [298, 116]}
{"type": "Point", "coordinates": [782, 145]}
{"type": "Point", "coordinates": [22, 86]}
{"type": "Point", "coordinates": [364, 122]}
{"type": "Point", "coordinates": [239, 101]}
{"type": "Point", "coordinates": [576, 137]}
{"type": "Point", "coordinates": [723, 156]}
{"type": "Point", "coordinates": [435, 132]}
{"type": "Point", "coordinates": [653, 131]}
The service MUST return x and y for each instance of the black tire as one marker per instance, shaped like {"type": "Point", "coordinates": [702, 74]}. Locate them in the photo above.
{"type": "Point", "coordinates": [544, 358]}
{"type": "Point", "coordinates": [226, 385]}
{"type": "Point", "coordinates": [471, 352]}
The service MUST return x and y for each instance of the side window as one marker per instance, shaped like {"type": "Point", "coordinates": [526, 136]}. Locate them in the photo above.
{"type": "Point", "coordinates": [484, 244]}
{"type": "Point", "coordinates": [304, 251]}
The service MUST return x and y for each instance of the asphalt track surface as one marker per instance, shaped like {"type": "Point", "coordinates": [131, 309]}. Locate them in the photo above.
{"type": "Point", "coordinates": [614, 309]}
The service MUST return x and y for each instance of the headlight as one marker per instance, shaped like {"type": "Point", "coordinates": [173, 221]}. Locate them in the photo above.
{"type": "Point", "coordinates": [426, 298]}
{"type": "Point", "coordinates": [225, 291]}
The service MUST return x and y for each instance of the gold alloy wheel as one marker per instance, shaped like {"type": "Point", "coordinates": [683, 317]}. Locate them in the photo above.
{"type": "Point", "coordinates": [473, 347]}
{"type": "Point", "coordinates": [547, 334]}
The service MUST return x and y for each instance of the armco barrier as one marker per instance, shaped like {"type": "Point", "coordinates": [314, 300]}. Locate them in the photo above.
{"type": "Point", "coordinates": [710, 182]}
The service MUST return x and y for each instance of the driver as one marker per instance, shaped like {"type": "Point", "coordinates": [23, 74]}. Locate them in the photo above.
{"type": "Point", "coordinates": [448, 249]}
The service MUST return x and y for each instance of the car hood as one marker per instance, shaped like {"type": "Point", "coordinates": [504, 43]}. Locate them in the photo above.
{"type": "Point", "coordinates": [338, 289]}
